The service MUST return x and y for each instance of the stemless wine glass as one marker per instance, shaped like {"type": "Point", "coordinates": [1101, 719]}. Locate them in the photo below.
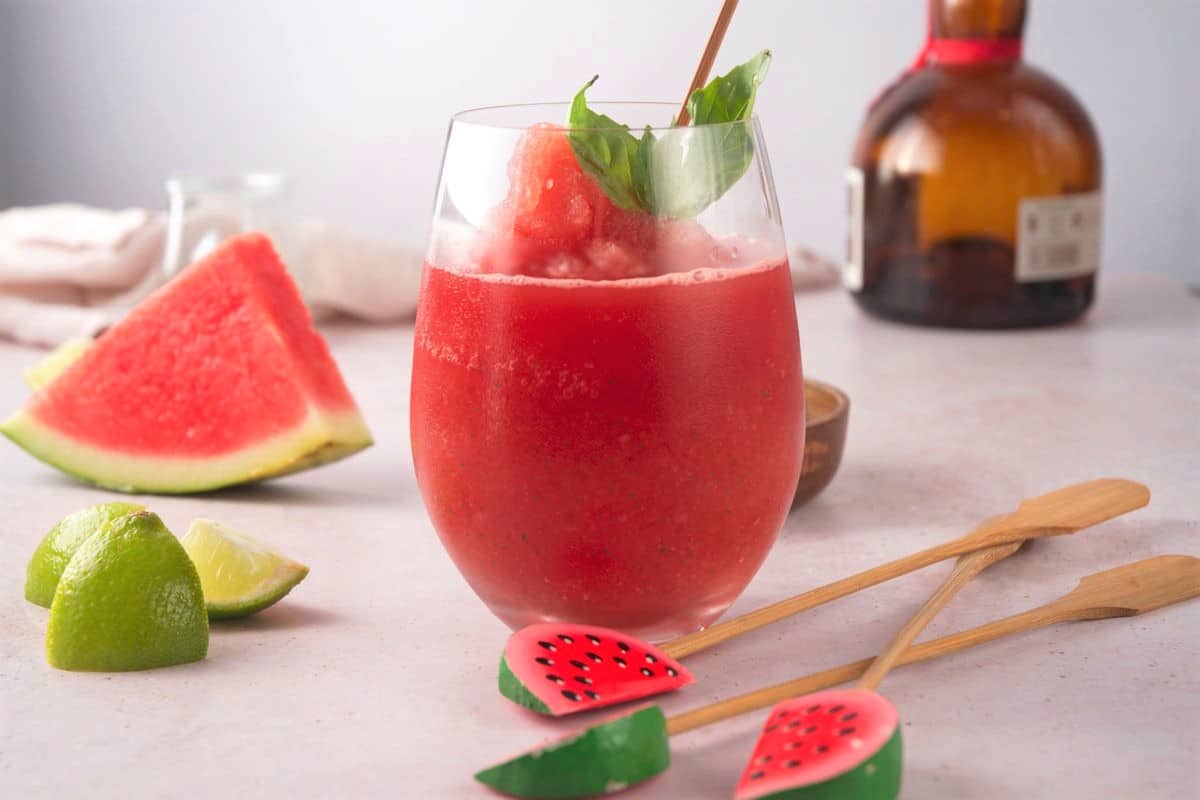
{"type": "Point", "coordinates": [607, 404]}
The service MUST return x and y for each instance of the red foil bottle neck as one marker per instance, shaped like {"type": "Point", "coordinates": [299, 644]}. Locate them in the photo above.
{"type": "Point", "coordinates": [967, 51]}
{"type": "Point", "coordinates": [956, 51]}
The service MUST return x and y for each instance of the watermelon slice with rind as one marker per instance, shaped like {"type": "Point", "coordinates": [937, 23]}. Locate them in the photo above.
{"type": "Point", "coordinates": [557, 668]}
{"type": "Point", "coordinates": [843, 744]}
{"type": "Point", "coordinates": [617, 753]}
{"type": "Point", "coordinates": [218, 378]}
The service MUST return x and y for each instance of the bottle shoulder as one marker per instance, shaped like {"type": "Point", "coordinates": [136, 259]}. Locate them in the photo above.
{"type": "Point", "coordinates": [1008, 101]}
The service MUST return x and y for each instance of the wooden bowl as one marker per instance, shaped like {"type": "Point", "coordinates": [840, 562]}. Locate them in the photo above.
{"type": "Point", "coordinates": [828, 410]}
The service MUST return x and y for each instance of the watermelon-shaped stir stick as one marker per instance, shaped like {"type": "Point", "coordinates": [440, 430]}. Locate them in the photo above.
{"type": "Point", "coordinates": [612, 755]}
{"type": "Point", "coordinates": [560, 669]}
{"type": "Point", "coordinates": [625, 750]}
{"type": "Point", "coordinates": [845, 745]}
{"type": "Point", "coordinates": [842, 744]}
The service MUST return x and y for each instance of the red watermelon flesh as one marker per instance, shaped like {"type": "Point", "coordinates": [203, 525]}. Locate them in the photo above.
{"type": "Point", "coordinates": [218, 378]}
{"type": "Point", "coordinates": [834, 744]}
{"type": "Point", "coordinates": [557, 222]}
{"type": "Point", "coordinates": [557, 668]}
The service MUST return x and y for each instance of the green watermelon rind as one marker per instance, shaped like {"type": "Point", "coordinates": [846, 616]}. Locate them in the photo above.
{"type": "Point", "coordinates": [876, 778]}
{"type": "Point", "coordinates": [512, 688]}
{"type": "Point", "coordinates": [609, 757]}
{"type": "Point", "coordinates": [323, 437]}
{"type": "Point", "coordinates": [325, 454]}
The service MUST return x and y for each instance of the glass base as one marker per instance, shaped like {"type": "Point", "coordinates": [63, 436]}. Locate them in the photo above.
{"type": "Point", "coordinates": [1057, 308]}
{"type": "Point", "coordinates": [968, 282]}
{"type": "Point", "coordinates": [656, 632]}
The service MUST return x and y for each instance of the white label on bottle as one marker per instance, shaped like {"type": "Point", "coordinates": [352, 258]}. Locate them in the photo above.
{"type": "Point", "coordinates": [852, 275]}
{"type": "Point", "coordinates": [1058, 237]}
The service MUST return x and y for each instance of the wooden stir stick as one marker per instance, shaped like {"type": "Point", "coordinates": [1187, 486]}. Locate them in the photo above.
{"type": "Point", "coordinates": [707, 58]}
{"type": "Point", "coordinates": [1060, 512]}
{"type": "Point", "coordinates": [526, 677]}
{"type": "Point", "coordinates": [968, 567]}
{"type": "Point", "coordinates": [964, 570]}
{"type": "Point", "coordinates": [630, 748]}
{"type": "Point", "coordinates": [1124, 591]}
{"type": "Point", "coordinates": [871, 764]}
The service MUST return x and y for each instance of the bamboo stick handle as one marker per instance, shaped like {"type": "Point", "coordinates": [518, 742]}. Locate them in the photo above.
{"type": "Point", "coordinates": [702, 640]}
{"type": "Point", "coordinates": [1062, 511]}
{"type": "Point", "coordinates": [1060, 610]}
{"type": "Point", "coordinates": [1124, 591]}
{"type": "Point", "coordinates": [965, 569]}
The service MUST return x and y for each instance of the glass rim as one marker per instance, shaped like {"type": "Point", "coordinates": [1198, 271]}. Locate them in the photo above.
{"type": "Point", "coordinates": [464, 117]}
{"type": "Point", "coordinates": [253, 181]}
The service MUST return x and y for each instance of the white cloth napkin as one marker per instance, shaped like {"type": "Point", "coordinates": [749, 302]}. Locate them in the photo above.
{"type": "Point", "coordinates": [69, 271]}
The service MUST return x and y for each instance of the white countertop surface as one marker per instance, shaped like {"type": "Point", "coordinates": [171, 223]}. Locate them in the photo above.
{"type": "Point", "coordinates": [376, 677]}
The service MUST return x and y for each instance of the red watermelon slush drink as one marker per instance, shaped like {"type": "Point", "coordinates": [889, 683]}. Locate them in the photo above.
{"type": "Point", "coordinates": [607, 407]}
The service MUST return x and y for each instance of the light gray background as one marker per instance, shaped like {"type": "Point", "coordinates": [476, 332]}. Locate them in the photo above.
{"type": "Point", "coordinates": [102, 98]}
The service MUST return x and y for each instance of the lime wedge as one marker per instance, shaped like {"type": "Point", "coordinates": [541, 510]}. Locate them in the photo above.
{"type": "Point", "coordinates": [129, 599]}
{"type": "Point", "coordinates": [49, 367]}
{"type": "Point", "coordinates": [51, 556]}
{"type": "Point", "coordinates": [239, 574]}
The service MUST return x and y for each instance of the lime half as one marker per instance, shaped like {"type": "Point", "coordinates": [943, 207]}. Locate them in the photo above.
{"type": "Point", "coordinates": [239, 574]}
{"type": "Point", "coordinates": [129, 599]}
{"type": "Point", "coordinates": [55, 551]}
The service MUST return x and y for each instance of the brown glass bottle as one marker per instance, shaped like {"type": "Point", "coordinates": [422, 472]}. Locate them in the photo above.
{"type": "Point", "coordinates": [975, 184]}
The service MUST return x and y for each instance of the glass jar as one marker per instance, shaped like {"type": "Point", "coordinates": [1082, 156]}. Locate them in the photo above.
{"type": "Point", "coordinates": [206, 209]}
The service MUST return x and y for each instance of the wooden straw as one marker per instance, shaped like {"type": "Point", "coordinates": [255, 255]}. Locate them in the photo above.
{"type": "Point", "coordinates": [707, 59]}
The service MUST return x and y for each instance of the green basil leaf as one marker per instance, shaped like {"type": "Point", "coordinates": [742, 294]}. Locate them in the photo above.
{"type": "Point", "coordinates": [692, 175]}
{"type": "Point", "coordinates": [605, 149]}
{"type": "Point", "coordinates": [643, 171]}
{"type": "Point", "coordinates": [686, 169]}
{"type": "Point", "coordinates": [730, 97]}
